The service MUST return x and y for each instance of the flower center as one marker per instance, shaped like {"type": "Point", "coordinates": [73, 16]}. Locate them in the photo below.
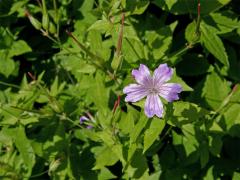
{"type": "Point", "coordinates": [153, 90]}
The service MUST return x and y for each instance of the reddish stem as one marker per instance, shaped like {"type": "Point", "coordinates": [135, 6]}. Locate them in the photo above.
{"type": "Point", "coordinates": [31, 76]}
{"type": "Point", "coordinates": [234, 89]}
{"type": "Point", "coordinates": [116, 104]}
{"type": "Point", "coordinates": [199, 8]}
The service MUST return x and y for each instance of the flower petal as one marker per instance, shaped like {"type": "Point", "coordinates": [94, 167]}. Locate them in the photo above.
{"type": "Point", "coordinates": [89, 127]}
{"type": "Point", "coordinates": [135, 92]}
{"type": "Point", "coordinates": [162, 74]}
{"type": "Point", "coordinates": [83, 118]}
{"type": "Point", "coordinates": [169, 91]}
{"type": "Point", "coordinates": [142, 75]}
{"type": "Point", "coordinates": [153, 106]}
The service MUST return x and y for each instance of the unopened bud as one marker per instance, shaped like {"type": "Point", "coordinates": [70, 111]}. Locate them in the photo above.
{"type": "Point", "coordinates": [36, 24]}
{"type": "Point", "coordinates": [45, 21]}
{"type": "Point", "coordinates": [52, 28]}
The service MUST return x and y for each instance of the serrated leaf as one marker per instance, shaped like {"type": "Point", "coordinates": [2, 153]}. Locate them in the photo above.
{"type": "Point", "coordinates": [222, 22]}
{"type": "Point", "coordinates": [106, 157]}
{"type": "Point", "coordinates": [213, 44]}
{"type": "Point", "coordinates": [185, 6]}
{"type": "Point", "coordinates": [215, 90]}
{"type": "Point", "coordinates": [107, 138]}
{"type": "Point", "coordinates": [24, 146]}
{"type": "Point", "coordinates": [19, 47]}
{"type": "Point", "coordinates": [137, 6]}
{"type": "Point", "coordinates": [101, 25]}
{"type": "Point", "coordinates": [152, 133]}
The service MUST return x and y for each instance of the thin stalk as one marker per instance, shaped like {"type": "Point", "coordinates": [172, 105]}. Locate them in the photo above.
{"type": "Point", "coordinates": [56, 16]}
{"type": "Point", "coordinates": [69, 120]}
{"type": "Point", "coordinates": [93, 56]}
{"type": "Point", "coordinates": [197, 30]}
{"type": "Point", "coordinates": [39, 174]}
{"type": "Point", "coordinates": [52, 99]}
{"type": "Point", "coordinates": [10, 85]}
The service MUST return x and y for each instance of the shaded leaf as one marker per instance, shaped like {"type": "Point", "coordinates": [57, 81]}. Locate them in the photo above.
{"type": "Point", "coordinates": [213, 44]}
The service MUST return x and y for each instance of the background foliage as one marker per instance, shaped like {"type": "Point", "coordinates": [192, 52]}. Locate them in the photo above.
{"type": "Point", "coordinates": [49, 78]}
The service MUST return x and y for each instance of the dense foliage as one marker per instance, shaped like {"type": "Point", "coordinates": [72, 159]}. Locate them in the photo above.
{"type": "Point", "coordinates": [64, 59]}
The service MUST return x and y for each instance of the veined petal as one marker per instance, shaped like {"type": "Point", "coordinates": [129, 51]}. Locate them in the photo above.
{"type": "Point", "coordinates": [135, 92]}
{"type": "Point", "coordinates": [162, 74]}
{"type": "Point", "coordinates": [169, 91]}
{"type": "Point", "coordinates": [142, 75]}
{"type": "Point", "coordinates": [153, 106]}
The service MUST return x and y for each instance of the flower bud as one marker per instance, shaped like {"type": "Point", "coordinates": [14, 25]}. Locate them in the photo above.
{"type": "Point", "coordinates": [36, 24]}
{"type": "Point", "coordinates": [45, 21]}
{"type": "Point", "coordinates": [52, 28]}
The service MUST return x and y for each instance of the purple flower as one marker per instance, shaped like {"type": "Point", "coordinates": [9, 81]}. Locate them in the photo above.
{"type": "Point", "coordinates": [152, 87]}
{"type": "Point", "coordinates": [83, 118]}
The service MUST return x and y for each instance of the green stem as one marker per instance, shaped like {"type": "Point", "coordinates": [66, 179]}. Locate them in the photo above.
{"type": "Point", "coordinates": [39, 174]}
{"type": "Point", "coordinates": [56, 16]}
{"type": "Point", "coordinates": [69, 120]}
{"type": "Point", "coordinates": [10, 85]}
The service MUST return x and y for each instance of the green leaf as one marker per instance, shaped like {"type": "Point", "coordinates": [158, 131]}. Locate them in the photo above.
{"type": "Point", "coordinates": [153, 132]}
{"type": "Point", "coordinates": [222, 22]}
{"type": "Point", "coordinates": [138, 128]}
{"type": "Point", "coordinates": [204, 154]}
{"type": "Point", "coordinates": [213, 44]}
{"type": "Point", "coordinates": [233, 70]}
{"type": "Point", "coordinates": [99, 93]}
{"type": "Point", "coordinates": [19, 47]}
{"type": "Point", "coordinates": [209, 175]}
{"type": "Point", "coordinates": [6, 39]}
{"type": "Point", "coordinates": [126, 124]}
{"type": "Point", "coordinates": [107, 137]}
{"type": "Point", "coordinates": [185, 6]}
{"type": "Point", "coordinates": [232, 117]}
{"type": "Point", "coordinates": [190, 32]}
{"type": "Point", "coordinates": [101, 25]}
{"type": "Point", "coordinates": [215, 145]}
{"type": "Point", "coordinates": [7, 65]}
{"type": "Point", "coordinates": [106, 174]}
{"type": "Point", "coordinates": [136, 7]}
{"type": "Point", "coordinates": [159, 41]}
{"type": "Point", "coordinates": [215, 90]}
{"type": "Point", "coordinates": [184, 113]}
{"type": "Point", "coordinates": [16, 6]}
{"type": "Point", "coordinates": [24, 146]}
{"type": "Point", "coordinates": [138, 167]}
{"type": "Point", "coordinates": [105, 157]}
{"type": "Point", "coordinates": [236, 176]}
